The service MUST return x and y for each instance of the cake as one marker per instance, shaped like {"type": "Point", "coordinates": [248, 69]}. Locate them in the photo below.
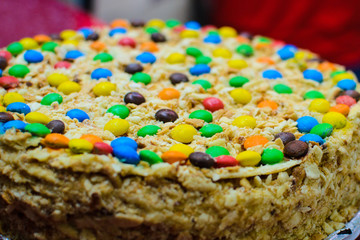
{"type": "Point", "coordinates": [162, 130]}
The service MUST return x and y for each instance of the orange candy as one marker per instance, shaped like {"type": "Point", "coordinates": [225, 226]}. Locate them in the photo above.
{"type": "Point", "coordinates": [324, 66]}
{"type": "Point", "coordinates": [340, 108]}
{"type": "Point", "coordinates": [173, 156]}
{"type": "Point", "coordinates": [56, 140]}
{"type": "Point", "coordinates": [169, 93]}
{"type": "Point", "coordinates": [262, 45]}
{"type": "Point", "coordinates": [119, 23]}
{"type": "Point", "coordinates": [255, 141]}
{"type": "Point", "coordinates": [242, 39]}
{"type": "Point", "coordinates": [98, 46]}
{"type": "Point", "coordinates": [91, 138]}
{"type": "Point", "coordinates": [268, 103]}
{"type": "Point", "coordinates": [41, 38]}
{"type": "Point", "coordinates": [265, 60]}
{"type": "Point", "coordinates": [149, 47]}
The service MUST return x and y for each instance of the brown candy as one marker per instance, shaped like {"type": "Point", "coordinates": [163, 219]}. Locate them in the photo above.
{"type": "Point", "coordinates": [285, 137]}
{"type": "Point", "coordinates": [5, 117]}
{"type": "Point", "coordinates": [296, 149]}
{"type": "Point", "coordinates": [352, 93]}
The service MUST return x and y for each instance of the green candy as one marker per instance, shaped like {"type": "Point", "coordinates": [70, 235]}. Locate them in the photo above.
{"type": "Point", "coordinates": [201, 114]}
{"type": "Point", "coordinates": [334, 73]}
{"type": "Point", "coordinates": [15, 48]}
{"type": "Point", "coordinates": [119, 110]}
{"type": "Point", "coordinates": [148, 130]}
{"type": "Point", "coordinates": [238, 81]}
{"type": "Point", "coordinates": [19, 70]}
{"type": "Point", "coordinates": [150, 157]}
{"type": "Point", "coordinates": [204, 83]}
{"type": "Point", "coordinates": [194, 52]}
{"type": "Point", "coordinates": [245, 50]}
{"type": "Point", "coordinates": [312, 94]}
{"type": "Point", "coordinates": [151, 30]}
{"type": "Point", "coordinates": [210, 130]}
{"type": "Point", "coordinates": [103, 57]}
{"type": "Point", "coordinates": [203, 60]}
{"type": "Point", "coordinates": [171, 23]}
{"type": "Point", "coordinates": [323, 130]}
{"type": "Point", "coordinates": [213, 32]}
{"type": "Point", "coordinates": [50, 98]}
{"type": "Point", "coordinates": [216, 151]}
{"type": "Point", "coordinates": [264, 40]}
{"type": "Point", "coordinates": [141, 77]}
{"type": "Point", "coordinates": [49, 46]}
{"type": "Point", "coordinates": [37, 129]}
{"type": "Point", "coordinates": [282, 89]}
{"type": "Point", "coordinates": [272, 156]}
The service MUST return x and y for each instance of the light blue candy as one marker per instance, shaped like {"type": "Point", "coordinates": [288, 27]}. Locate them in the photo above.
{"type": "Point", "coordinates": [126, 154]}
{"type": "Point", "coordinates": [313, 138]}
{"type": "Point", "coordinates": [78, 114]}
{"type": "Point", "coordinates": [33, 56]}
{"type": "Point", "coordinates": [18, 107]}
{"type": "Point", "coordinates": [192, 25]}
{"type": "Point", "coordinates": [271, 74]}
{"type": "Point", "coordinates": [115, 31]}
{"type": "Point", "coordinates": [212, 39]}
{"type": "Point", "coordinates": [85, 31]}
{"type": "Point", "coordinates": [347, 84]}
{"type": "Point", "coordinates": [74, 54]}
{"type": "Point", "coordinates": [17, 124]}
{"type": "Point", "coordinates": [101, 73]}
{"type": "Point", "coordinates": [199, 69]}
{"type": "Point", "coordinates": [313, 74]}
{"type": "Point", "coordinates": [306, 123]}
{"type": "Point", "coordinates": [124, 141]}
{"type": "Point", "coordinates": [146, 57]}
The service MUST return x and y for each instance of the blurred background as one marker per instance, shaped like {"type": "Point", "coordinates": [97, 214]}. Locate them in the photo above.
{"type": "Point", "coordinates": [330, 28]}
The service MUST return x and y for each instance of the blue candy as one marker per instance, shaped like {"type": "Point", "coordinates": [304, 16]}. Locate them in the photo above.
{"type": "Point", "coordinates": [271, 74]}
{"type": "Point", "coordinates": [17, 124]}
{"type": "Point", "coordinates": [85, 31]}
{"type": "Point", "coordinates": [146, 57]}
{"type": "Point", "coordinates": [117, 31]}
{"type": "Point", "coordinates": [2, 130]}
{"type": "Point", "coordinates": [124, 141]}
{"type": "Point", "coordinates": [79, 114]}
{"type": "Point", "coordinates": [1, 73]}
{"type": "Point", "coordinates": [73, 54]}
{"type": "Point", "coordinates": [286, 53]}
{"type": "Point", "coordinates": [199, 69]}
{"type": "Point", "coordinates": [213, 39]}
{"type": "Point", "coordinates": [192, 25]}
{"type": "Point", "coordinates": [313, 138]}
{"type": "Point", "coordinates": [101, 73]}
{"type": "Point", "coordinates": [33, 56]}
{"type": "Point", "coordinates": [126, 154]}
{"type": "Point", "coordinates": [306, 123]}
{"type": "Point", "coordinates": [18, 107]}
{"type": "Point", "coordinates": [291, 47]}
{"type": "Point", "coordinates": [313, 74]}
{"type": "Point", "coordinates": [347, 84]}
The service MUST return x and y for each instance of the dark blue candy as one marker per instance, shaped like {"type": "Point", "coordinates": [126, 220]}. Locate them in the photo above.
{"type": "Point", "coordinates": [74, 54]}
{"type": "Point", "coordinates": [199, 69]}
{"type": "Point", "coordinates": [313, 74]}
{"type": "Point", "coordinates": [313, 138]}
{"type": "Point", "coordinates": [85, 31]}
{"type": "Point", "coordinates": [192, 25]}
{"type": "Point", "coordinates": [33, 56]}
{"type": "Point", "coordinates": [117, 31]}
{"type": "Point", "coordinates": [101, 73]}
{"type": "Point", "coordinates": [126, 154]}
{"type": "Point", "coordinates": [18, 107]}
{"type": "Point", "coordinates": [79, 114]}
{"type": "Point", "coordinates": [347, 84]}
{"type": "Point", "coordinates": [17, 124]}
{"type": "Point", "coordinates": [286, 53]}
{"type": "Point", "coordinates": [124, 141]}
{"type": "Point", "coordinates": [213, 39]}
{"type": "Point", "coordinates": [306, 123]}
{"type": "Point", "coordinates": [146, 57]}
{"type": "Point", "coordinates": [271, 74]}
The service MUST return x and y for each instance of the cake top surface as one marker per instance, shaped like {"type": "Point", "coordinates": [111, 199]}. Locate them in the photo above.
{"type": "Point", "coordinates": [145, 98]}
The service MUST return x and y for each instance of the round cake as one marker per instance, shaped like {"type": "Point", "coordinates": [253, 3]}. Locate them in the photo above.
{"type": "Point", "coordinates": [163, 130]}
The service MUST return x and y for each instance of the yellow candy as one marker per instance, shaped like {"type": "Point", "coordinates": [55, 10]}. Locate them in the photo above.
{"type": "Point", "coordinates": [319, 105]}
{"type": "Point", "coordinates": [302, 55]}
{"type": "Point", "coordinates": [189, 34]}
{"type": "Point", "coordinates": [80, 146]}
{"type": "Point", "coordinates": [222, 52]}
{"type": "Point", "coordinates": [245, 121]}
{"type": "Point", "coordinates": [248, 158]}
{"type": "Point", "coordinates": [341, 76]}
{"type": "Point", "coordinates": [2, 109]}
{"type": "Point", "coordinates": [117, 126]}
{"type": "Point", "coordinates": [12, 97]}
{"type": "Point", "coordinates": [241, 95]}
{"type": "Point", "coordinates": [183, 133]}
{"type": "Point", "coordinates": [104, 88]}
{"type": "Point", "coordinates": [55, 79]}
{"type": "Point", "coordinates": [71, 42]}
{"type": "Point", "coordinates": [69, 87]}
{"type": "Point", "coordinates": [185, 149]}
{"type": "Point", "coordinates": [36, 117]}
{"type": "Point", "coordinates": [68, 34]}
{"type": "Point", "coordinates": [337, 120]}
{"type": "Point", "coordinates": [29, 43]}
{"type": "Point", "coordinates": [237, 63]}
{"type": "Point", "coordinates": [227, 32]}
{"type": "Point", "coordinates": [156, 23]}
{"type": "Point", "coordinates": [175, 58]}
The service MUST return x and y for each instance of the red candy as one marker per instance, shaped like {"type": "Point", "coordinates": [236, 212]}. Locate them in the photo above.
{"type": "Point", "coordinates": [126, 41]}
{"type": "Point", "coordinates": [213, 104]}
{"type": "Point", "coordinates": [9, 82]}
{"type": "Point", "coordinates": [207, 28]}
{"type": "Point", "coordinates": [102, 148]}
{"type": "Point", "coordinates": [5, 54]}
{"type": "Point", "coordinates": [179, 29]}
{"type": "Point", "coordinates": [62, 64]}
{"type": "Point", "coordinates": [225, 161]}
{"type": "Point", "coordinates": [347, 100]}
